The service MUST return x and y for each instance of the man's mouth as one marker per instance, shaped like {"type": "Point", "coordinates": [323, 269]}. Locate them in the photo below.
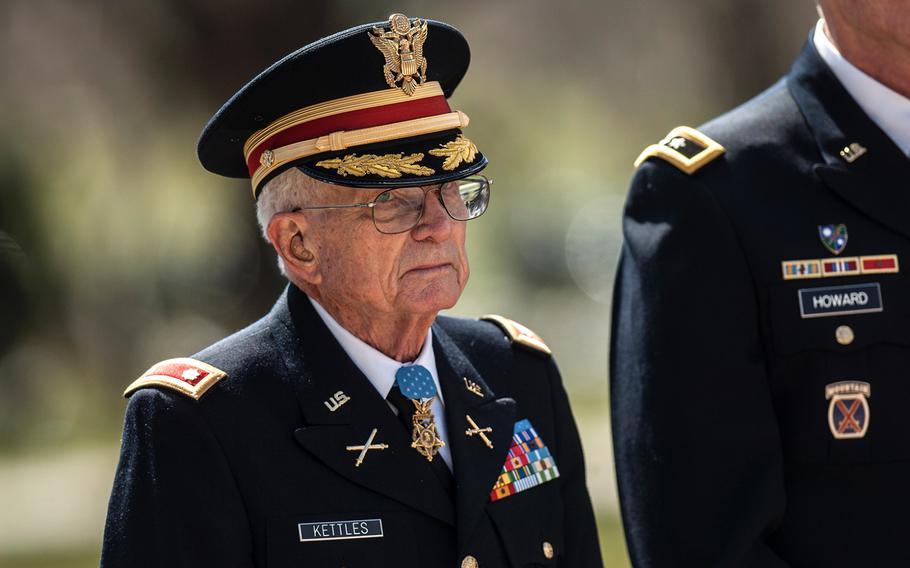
{"type": "Point", "coordinates": [428, 269]}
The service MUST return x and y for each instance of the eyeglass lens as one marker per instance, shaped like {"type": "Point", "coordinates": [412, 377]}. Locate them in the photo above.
{"type": "Point", "coordinates": [399, 209]}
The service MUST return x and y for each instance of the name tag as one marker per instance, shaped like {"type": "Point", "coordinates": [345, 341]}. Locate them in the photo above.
{"type": "Point", "coordinates": [840, 300]}
{"type": "Point", "coordinates": [340, 530]}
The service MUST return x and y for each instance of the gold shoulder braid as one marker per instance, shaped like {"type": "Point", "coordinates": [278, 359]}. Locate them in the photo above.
{"type": "Point", "coordinates": [684, 147]}
{"type": "Point", "coordinates": [387, 166]}
{"type": "Point", "coordinates": [518, 333]}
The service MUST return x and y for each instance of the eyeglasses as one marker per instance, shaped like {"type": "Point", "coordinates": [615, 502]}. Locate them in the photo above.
{"type": "Point", "coordinates": [400, 209]}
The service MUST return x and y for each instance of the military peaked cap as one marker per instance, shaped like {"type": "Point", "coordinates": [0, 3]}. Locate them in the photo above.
{"type": "Point", "coordinates": [365, 107]}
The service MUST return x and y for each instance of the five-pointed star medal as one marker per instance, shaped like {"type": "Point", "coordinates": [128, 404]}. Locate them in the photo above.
{"type": "Point", "coordinates": [424, 437]}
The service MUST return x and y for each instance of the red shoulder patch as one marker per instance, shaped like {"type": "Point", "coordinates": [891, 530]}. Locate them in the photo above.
{"type": "Point", "coordinates": [188, 376]}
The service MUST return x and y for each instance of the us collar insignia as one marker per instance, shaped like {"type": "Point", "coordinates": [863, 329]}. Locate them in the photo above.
{"type": "Point", "coordinates": [852, 152]}
{"type": "Point", "coordinates": [402, 47]}
{"type": "Point", "coordinates": [336, 401]}
{"type": "Point", "coordinates": [473, 387]}
{"type": "Point", "coordinates": [848, 409]}
{"type": "Point", "coordinates": [834, 237]}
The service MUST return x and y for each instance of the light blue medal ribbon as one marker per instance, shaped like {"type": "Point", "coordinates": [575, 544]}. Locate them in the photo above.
{"type": "Point", "coordinates": [415, 382]}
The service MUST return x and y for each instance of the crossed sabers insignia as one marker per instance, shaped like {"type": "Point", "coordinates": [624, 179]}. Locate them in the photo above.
{"type": "Point", "coordinates": [478, 431]}
{"type": "Point", "coordinates": [848, 421]}
{"type": "Point", "coordinates": [366, 447]}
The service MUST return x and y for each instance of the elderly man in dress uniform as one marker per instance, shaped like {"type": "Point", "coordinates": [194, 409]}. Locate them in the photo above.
{"type": "Point", "coordinates": [760, 341]}
{"type": "Point", "coordinates": [351, 426]}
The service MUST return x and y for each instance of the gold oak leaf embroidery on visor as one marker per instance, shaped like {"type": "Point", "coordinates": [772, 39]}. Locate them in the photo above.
{"type": "Point", "coordinates": [457, 151]}
{"type": "Point", "coordinates": [388, 166]}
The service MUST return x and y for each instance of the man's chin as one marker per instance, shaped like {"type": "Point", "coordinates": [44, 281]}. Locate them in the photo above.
{"type": "Point", "coordinates": [432, 298]}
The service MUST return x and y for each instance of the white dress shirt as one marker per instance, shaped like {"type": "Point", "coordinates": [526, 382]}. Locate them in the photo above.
{"type": "Point", "coordinates": [380, 370]}
{"type": "Point", "coordinates": [887, 109]}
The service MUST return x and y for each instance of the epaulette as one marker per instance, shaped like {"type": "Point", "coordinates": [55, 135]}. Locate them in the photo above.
{"type": "Point", "coordinates": [188, 376]}
{"type": "Point", "coordinates": [684, 147]}
{"type": "Point", "coordinates": [519, 333]}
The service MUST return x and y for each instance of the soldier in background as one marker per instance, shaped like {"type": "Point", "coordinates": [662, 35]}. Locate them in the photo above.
{"type": "Point", "coordinates": [760, 339]}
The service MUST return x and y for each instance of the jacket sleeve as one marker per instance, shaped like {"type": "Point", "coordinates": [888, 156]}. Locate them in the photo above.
{"type": "Point", "coordinates": [174, 502]}
{"type": "Point", "coordinates": [698, 453]}
{"type": "Point", "coordinates": [581, 548]}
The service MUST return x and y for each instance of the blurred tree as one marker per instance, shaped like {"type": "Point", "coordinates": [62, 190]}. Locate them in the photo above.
{"type": "Point", "coordinates": [12, 291]}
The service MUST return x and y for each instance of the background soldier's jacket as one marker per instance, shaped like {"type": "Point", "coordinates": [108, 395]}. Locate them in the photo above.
{"type": "Point", "coordinates": [225, 481]}
{"type": "Point", "coordinates": [724, 453]}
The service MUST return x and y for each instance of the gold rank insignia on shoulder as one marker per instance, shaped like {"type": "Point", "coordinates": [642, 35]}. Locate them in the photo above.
{"type": "Point", "coordinates": [684, 147]}
{"type": "Point", "coordinates": [402, 47]}
{"type": "Point", "coordinates": [519, 333]}
{"type": "Point", "coordinates": [188, 376]}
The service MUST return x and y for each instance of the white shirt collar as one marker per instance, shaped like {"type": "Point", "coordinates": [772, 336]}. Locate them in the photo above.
{"type": "Point", "coordinates": [887, 109]}
{"type": "Point", "coordinates": [378, 368]}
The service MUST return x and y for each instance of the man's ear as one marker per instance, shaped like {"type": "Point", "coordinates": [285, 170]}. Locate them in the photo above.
{"type": "Point", "coordinates": [288, 234]}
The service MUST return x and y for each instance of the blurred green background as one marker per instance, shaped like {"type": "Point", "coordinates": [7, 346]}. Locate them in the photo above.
{"type": "Point", "coordinates": [117, 249]}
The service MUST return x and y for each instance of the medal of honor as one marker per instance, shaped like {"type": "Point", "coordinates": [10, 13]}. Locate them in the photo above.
{"type": "Point", "coordinates": [424, 437]}
{"type": "Point", "coordinates": [416, 383]}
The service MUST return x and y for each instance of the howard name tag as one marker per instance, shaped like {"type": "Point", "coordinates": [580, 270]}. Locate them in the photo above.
{"type": "Point", "coordinates": [340, 530]}
{"type": "Point", "coordinates": [840, 300]}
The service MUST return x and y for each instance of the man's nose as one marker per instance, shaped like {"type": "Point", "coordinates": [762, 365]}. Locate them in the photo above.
{"type": "Point", "coordinates": [435, 223]}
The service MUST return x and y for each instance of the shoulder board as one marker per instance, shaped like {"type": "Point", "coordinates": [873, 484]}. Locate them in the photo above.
{"type": "Point", "coordinates": [519, 333]}
{"type": "Point", "coordinates": [684, 147]}
{"type": "Point", "coordinates": [188, 376]}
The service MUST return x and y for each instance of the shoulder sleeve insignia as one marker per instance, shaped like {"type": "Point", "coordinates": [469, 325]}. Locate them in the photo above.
{"type": "Point", "coordinates": [684, 147]}
{"type": "Point", "coordinates": [519, 333]}
{"type": "Point", "coordinates": [189, 376]}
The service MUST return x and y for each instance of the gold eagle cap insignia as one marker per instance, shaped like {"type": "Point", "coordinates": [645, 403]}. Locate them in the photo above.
{"type": "Point", "coordinates": [402, 47]}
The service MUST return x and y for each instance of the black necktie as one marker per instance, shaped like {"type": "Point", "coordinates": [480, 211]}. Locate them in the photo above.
{"type": "Point", "coordinates": [406, 410]}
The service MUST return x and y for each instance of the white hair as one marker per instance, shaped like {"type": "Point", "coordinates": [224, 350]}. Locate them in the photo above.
{"type": "Point", "coordinates": [284, 192]}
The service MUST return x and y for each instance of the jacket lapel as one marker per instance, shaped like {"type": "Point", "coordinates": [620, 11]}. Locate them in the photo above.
{"type": "Point", "coordinates": [319, 371]}
{"type": "Point", "coordinates": [476, 465]}
{"type": "Point", "coordinates": [886, 201]}
{"type": "Point", "coordinates": [875, 181]}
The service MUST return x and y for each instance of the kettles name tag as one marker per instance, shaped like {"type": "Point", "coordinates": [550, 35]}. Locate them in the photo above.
{"type": "Point", "coordinates": [340, 530]}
